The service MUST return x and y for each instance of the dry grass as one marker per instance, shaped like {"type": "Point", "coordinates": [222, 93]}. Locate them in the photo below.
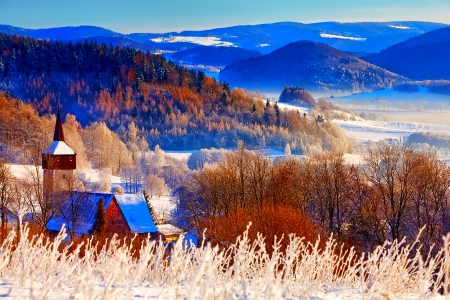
{"type": "Point", "coordinates": [42, 269]}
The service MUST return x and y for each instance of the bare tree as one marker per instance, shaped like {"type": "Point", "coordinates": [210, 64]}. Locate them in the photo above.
{"type": "Point", "coordinates": [430, 200]}
{"type": "Point", "coordinates": [6, 187]}
{"type": "Point", "coordinates": [390, 170]}
{"type": "Point", "coordinates": [155, 185]}
{"type": "Point", "coordinates": [73, 205]}
{"type": "Point", "coordinates": [41, 198]}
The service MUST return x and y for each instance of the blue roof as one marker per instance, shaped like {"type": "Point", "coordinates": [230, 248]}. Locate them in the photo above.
{"type": "Point", "coordinates": [135, 210]}
{"type": "Point", "coordinates": [133, 207]}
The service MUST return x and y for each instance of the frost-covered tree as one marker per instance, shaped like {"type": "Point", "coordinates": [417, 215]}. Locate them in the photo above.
{"type": "Point", "coordinates": [287, 150]}
{"type": "Point", "coordinates": [6, 186]}
{"type": "Point", "coordinates": [155, 185]}
{"type": "Point", "coordinates": [104, 180]}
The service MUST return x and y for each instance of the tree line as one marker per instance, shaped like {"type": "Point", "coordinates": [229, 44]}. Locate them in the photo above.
{"type": "Point", "coordinates": [392, 194]}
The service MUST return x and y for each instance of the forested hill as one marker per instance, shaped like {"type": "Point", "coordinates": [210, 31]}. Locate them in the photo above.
{"type": "Point", "coordinates": [92, 81]}
{"type": "Point", "coordinates": [171, 106]}
{"type": "Point", "coordinates": [423, 57]}
{"type": "Point", "coordinates": [310, 65]}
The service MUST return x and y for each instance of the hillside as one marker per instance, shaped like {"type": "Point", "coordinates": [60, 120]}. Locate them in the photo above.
{"type": "Point", "coordinates": [166, 104]}
{"type": "Point", "coordinates": [78, 33]}
{"type": "Point", "coordinates": [213, 56]}
{"type": "Point", "coordinates": [309, 65]}
{"type": "Point", "coordinates": [423, 57]}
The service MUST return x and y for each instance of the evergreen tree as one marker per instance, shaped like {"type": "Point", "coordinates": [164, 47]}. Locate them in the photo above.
{"type": "Point", "coordinates": [277, 111]}
{"type": "Point", "coordinates": [99, 224]}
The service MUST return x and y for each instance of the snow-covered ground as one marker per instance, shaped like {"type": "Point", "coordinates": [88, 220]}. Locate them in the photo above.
{"type": "Point", "coordinates": [343, 37]}
{"type": "Point", "coordinates": [403, 114]}
{"type": "Point", "coordinates": [200, 40]}
{"type": "Point", "coordinates": [301, 108]}
{"type": "Point", "coordinates": [179, 154]}
{"type": "Point", "coordinates": [379, 130]}
{"type": "Point", "coordinates": [399, 27]}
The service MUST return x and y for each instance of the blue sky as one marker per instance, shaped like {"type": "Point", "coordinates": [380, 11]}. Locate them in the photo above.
{"type": "Point", "coordinates": [176, 15]}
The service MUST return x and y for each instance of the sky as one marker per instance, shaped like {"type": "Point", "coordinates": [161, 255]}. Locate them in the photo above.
{"type": "Point", "coordinates": [178, 15]}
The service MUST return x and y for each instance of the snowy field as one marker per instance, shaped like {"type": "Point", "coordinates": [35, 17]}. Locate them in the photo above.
{"type": "Point", "coordinates": [378, 130]}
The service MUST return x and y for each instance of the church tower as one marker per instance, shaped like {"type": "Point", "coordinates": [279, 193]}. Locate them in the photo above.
{"type": "Point", "coordinates": [58, 161]}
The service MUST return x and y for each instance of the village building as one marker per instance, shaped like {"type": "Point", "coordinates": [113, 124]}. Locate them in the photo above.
{"type": "Point", "coordinates": [124, 213]}
{"type": "Point", "coordinates": [168, 232]}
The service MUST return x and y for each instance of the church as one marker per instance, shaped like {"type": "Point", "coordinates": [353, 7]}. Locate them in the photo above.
{"type": "Point", "coordinates": [124, 213]}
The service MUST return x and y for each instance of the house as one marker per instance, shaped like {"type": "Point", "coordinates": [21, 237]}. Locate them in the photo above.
{"type": "Point", "coordinates": [124, 214]}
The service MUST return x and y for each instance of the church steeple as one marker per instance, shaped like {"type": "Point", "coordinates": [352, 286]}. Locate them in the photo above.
{"type": "Point", "coordinates": [58, 160]}
{"type": "Point", "coordinates": [59, 134]}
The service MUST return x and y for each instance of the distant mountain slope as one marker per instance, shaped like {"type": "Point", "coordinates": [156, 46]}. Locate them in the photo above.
{"type": "Point", "coordinates": [366, 37]}
{"type": "Point", "coordinates": [215, 56]}
{"type": "Point", "coordinates": [309, 65]}
{"type": "Point", "coordinates": [78, 33]}
{"type": "Point", "coordinates": [423, 57]}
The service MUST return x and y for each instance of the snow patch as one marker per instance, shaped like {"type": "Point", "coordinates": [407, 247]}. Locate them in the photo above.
{"type": "Point", "coordinates": [200, 40]}
{"type": "Point", "coordinates": [264, 45]}
{"type": "Point", "coordinates": [168, 229]}
{"type": "Point", "coordinates": [335, 36]}
{"type": "Point", "coordinates": [399, 27]}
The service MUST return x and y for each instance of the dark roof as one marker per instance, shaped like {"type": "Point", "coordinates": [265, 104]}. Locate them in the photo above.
{"type": "Point", "coordinates": [59, 134]}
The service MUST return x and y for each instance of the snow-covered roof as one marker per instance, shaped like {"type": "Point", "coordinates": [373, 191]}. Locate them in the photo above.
{"type": "Point", "coordinates": [168, 229]}
{"type": "Point", "coordinates": [135, 210]}
{"type": "Point", "coordinates": [133, 207]}
{"type": "Point", "coordinates": [87, 211]}
{"type": "Point", "coordinates": [58, 148]}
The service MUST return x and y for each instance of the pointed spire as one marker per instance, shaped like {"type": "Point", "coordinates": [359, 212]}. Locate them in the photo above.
{"type": "Point", "coordinates": [59, 134]}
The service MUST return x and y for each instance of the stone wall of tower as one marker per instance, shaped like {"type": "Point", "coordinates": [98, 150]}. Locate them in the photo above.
{"type": "Point", "coordinates": [58, 180]}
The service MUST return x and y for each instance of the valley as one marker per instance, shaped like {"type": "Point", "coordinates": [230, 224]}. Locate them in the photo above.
{"type": "Point", "coordinates": [304, 159]}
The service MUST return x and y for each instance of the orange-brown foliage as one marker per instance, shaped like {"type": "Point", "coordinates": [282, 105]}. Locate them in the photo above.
{"type": "Point", "coordinates": [270, 220]}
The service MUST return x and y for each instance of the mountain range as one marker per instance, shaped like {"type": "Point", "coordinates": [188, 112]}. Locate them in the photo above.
{"type": "Point", "coordinates": [270, 56]}
{"type": "Point", "coordinates": [367, 37]}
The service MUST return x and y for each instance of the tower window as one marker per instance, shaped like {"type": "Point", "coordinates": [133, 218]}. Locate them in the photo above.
{"type": "Point", "coordinates": [64, 176]}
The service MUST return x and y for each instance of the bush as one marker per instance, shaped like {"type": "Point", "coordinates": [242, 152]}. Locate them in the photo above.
{"type": "Point", "coordinates": [270, 221]}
